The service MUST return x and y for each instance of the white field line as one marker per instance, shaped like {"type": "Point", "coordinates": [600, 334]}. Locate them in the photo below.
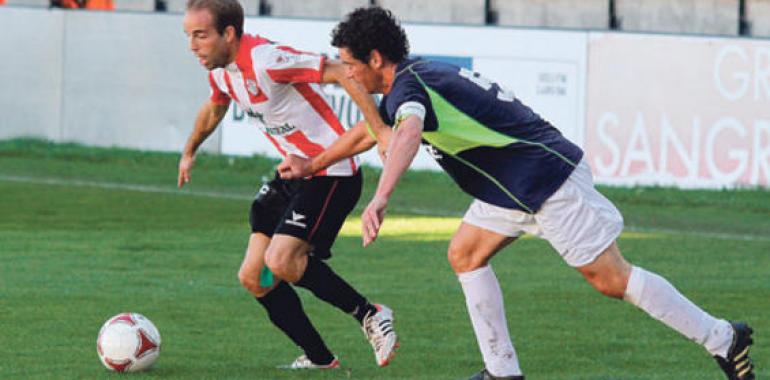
{"type": "Point", "coordinates": [122, 186]}
{"type": "Point", "coordinates": [416, 211]}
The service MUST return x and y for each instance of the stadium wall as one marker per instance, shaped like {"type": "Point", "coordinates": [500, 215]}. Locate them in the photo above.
{"type": "Point", "coordinates": [684, 111]}
{"type": "Point", "coordinates": [99, 78]}
{"type": "Point", "coordinates": [648, 109]}
{"type": "Point", "coordinates": [31, 74]}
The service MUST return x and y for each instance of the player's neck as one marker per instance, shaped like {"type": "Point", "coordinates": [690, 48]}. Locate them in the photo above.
{"type": "Point", "coordinates": [234, 49]}
{"type": "Point", "coordinates": [388, 76]}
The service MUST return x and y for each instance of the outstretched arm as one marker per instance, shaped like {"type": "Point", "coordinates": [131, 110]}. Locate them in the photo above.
{"type": "Point", "coordinates": [355, 140]}
{"type": "Point", "coordinates": [206, 122]}
{"type": "Point", "coordinates": [403, 147]}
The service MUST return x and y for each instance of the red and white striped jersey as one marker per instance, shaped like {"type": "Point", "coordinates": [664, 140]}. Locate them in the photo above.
{"type": "Point", "coordinates": [278, 87]}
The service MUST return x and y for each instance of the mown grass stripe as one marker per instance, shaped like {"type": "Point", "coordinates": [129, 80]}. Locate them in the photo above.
{"type": "Point", "coordinates": [409, 210]}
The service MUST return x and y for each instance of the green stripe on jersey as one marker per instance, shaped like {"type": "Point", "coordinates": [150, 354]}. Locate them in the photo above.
{"type": "Point", "coordinates": [457, 131]}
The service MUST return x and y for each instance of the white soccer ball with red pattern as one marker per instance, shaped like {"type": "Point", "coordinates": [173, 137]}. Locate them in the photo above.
{"type": "Point", "coordinates": [128, 342]}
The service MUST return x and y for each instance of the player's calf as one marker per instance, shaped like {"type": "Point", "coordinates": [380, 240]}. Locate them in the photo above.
{"type": "Point", "coordinates": [608, 273]}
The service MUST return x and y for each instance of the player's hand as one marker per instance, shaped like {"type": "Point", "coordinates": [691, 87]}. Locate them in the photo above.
{"type": "Point", "coordinates": [185, 166]}
{"type": "Point", "coordinates": [294, 166]}
{"type": "Point", "coordinates": [371, 219]}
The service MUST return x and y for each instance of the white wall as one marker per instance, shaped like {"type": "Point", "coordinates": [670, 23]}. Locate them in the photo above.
{"type": "Point", "coordinates": [31, 73]}
{"type": "Point", "coordinates": [99, 78]}
{"type": "Point", "coordinates": [129, 80]}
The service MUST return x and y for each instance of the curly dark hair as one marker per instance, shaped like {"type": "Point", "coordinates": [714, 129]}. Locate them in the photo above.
{"type": "Point", "coordinates": [367, 29]}
{"type": "Point", "coordinates": [226, 13]}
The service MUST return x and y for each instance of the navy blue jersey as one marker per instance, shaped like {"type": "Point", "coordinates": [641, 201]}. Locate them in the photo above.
{"type": "Point", "coordinates": [497, 149]}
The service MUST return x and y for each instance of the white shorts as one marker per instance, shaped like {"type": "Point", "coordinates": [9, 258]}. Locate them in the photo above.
{"type": "Point", "coordinates": [578, 221]}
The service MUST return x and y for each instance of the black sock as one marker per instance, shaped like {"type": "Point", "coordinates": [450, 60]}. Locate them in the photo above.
{"type": "Point", "coordinates": [285, 311]}
{"type": "Point", "coordinates": [328, 286]}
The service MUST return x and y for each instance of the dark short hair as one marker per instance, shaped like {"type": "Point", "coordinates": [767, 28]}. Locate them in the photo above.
{"type": "Point", "coordinates": [370, 28]}
{"type": "Point", "coordinates": [226, 13]}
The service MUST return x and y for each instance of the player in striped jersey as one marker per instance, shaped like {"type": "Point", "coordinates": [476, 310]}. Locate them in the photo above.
{"type": "Point", "coordinates": [293, 223]}
{"type": "Point", "coordinates": [525, 178]}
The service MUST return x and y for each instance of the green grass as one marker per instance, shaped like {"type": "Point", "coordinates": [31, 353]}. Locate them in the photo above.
{"type": "Point", "coordinates": [86, 233]}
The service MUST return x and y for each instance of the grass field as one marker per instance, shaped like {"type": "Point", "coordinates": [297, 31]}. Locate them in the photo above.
{"type": "Point", "coordinates": [87, 233]}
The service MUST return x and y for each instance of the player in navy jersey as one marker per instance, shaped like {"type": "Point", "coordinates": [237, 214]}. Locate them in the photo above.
{"type": "Point", "coordinates": [525, 178]}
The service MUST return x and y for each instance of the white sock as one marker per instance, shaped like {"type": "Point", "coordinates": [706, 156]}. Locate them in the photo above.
{"type": "Point", "coordinates": [657, 297]}
{"type": "Point", "coordinates": [485, 307]}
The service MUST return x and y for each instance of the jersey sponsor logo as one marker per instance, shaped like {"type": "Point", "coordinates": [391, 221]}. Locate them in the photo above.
{"type": "Point", "coordinates": [296, 219]}
{"type": "Point", "coordinates": [251, 86]}
{"type": "Point", "coordinates": [280, 129]}
{"type": "Point", "coordinates": [251, 113]}
{"type": "Point", "coordinates": [284, 58]}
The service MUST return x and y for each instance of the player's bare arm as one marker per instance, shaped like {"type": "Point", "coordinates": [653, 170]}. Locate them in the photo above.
{"type": "Point", "coordinates": [334, 72]}
{"type": "Point", "coordinates": [354, 141]}
{"type": "Point", "coordinates": [403, 147]}
{"type": "Point", "coordinates": [206, 122]}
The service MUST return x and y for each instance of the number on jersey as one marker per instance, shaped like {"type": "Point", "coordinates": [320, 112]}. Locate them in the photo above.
{"type": "Point", "coordinates": [502, 93]}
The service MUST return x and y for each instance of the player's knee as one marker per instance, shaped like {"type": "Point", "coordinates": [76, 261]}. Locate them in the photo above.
{"type": "Point", "coordinates": [462, 258]}
{"type": "Point", "coordinates": [280, 263]}
{"type": "Point", "coordinates": [250, 281]}
{"type": "Point", "coordinates": [610, 285]}
{"type": "Point", "coordinates": [274, 262]}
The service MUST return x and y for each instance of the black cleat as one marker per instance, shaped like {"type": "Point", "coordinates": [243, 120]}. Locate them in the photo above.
{"type": "Point", "coordinates": [738, 365]}
{"type": "Point", "coordinates": [485, 375]}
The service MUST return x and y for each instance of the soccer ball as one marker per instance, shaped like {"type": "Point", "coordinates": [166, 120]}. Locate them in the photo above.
{"type": "Point", "coordinates": [128, 342]}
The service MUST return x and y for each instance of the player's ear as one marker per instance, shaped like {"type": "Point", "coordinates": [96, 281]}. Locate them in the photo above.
{"type": "Point", "coordinates": [229, 33]}
{"type": "Point", "coordinates": [375, 59]}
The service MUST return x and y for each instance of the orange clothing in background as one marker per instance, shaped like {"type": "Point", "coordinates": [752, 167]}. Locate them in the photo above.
{"type": "Point", "coordinates": [69, 4]}
{"type": "Point", "coordinates": [105, 5]}
{"type": "Point", "coordinates": [2, 2]}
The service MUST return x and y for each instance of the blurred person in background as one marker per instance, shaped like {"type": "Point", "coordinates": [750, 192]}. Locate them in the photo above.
{"type": "Point", "coordinates": [293, 223]}
{"type": "Point", "coordinates": [525, 178]}
{"type": "Point", "coordinates": [70, 4]}
{"type": "Point", "coordinates": [104, 5]}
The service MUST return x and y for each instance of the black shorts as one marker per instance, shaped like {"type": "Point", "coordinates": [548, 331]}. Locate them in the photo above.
{"type": "Point", "coordinates": [309, 209]}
